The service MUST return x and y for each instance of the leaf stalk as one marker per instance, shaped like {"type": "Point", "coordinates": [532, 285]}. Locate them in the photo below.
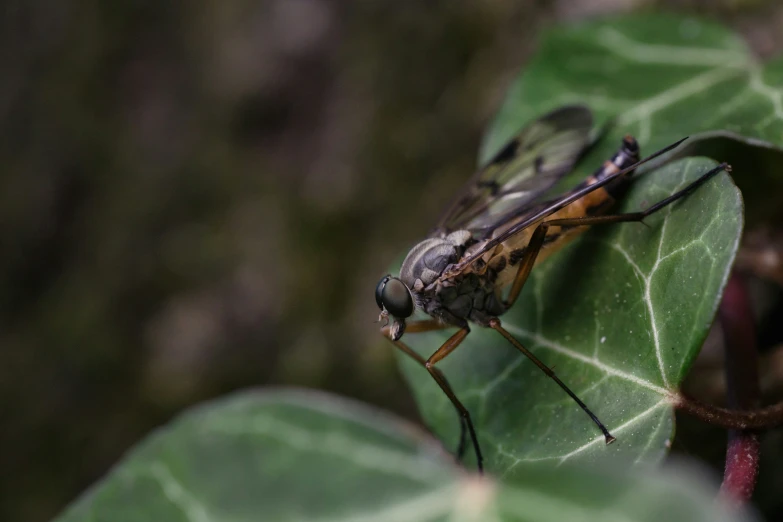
{"type": "Point", "coordinates": [742, 379]}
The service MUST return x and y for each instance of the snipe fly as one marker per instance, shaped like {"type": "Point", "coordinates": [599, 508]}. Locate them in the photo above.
{"type": "Point", "coordinates": [475, 262]}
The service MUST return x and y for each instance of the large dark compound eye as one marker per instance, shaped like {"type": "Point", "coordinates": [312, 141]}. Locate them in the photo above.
{"type": "Point", "coordinates": [395, 297]}
{"type": "Point", "coordinates": [379, 291]}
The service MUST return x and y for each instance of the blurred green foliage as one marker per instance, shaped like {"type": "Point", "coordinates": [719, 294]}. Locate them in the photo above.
{"type": "Point", "coordinates": [197, 197]}
{"type": "Point", "coordinates": [294, 455]}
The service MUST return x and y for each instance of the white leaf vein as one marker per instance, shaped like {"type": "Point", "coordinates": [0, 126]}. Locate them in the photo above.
{"type": "Point", "coordinates": [338, 444]}
{"type": "Point", "coordinates": [178, 495]}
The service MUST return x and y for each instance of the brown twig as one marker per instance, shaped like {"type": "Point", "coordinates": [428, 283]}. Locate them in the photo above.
{"type": "Point", "coordinates": [739, 332]}
{"type": "Point", "coordinates": [762, 418]}
{"type": "Point", "coordinates": [737, 321]}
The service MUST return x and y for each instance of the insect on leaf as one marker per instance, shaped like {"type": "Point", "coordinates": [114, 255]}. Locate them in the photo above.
{"type": "Point", "coordinates": [620, 314]}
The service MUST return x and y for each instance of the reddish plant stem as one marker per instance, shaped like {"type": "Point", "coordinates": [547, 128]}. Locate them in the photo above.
{"type": "Point", "coordinates": [742, 384]}
{"type": "Point", "coordinates": [742, 466]}
{"type": "Point", "coordinates": [761, 418]}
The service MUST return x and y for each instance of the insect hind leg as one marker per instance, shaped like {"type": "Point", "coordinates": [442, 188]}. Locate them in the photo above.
{"type": "Point", "coordinates": [537, 239]}
{"type": "Point", "coordinates": [639, 216]}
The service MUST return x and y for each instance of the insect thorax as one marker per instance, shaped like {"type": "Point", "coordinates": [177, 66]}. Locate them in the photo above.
{"type": "Point", "coordinates": [469, 296]}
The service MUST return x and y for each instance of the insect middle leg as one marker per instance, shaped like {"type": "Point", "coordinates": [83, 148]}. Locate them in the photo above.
{"type": "Point", "coordinates": [534, 247]}
{"type": "Point", "coordinates": [494, 323]}
{"type": "Point", "coordinates": [466, 424]}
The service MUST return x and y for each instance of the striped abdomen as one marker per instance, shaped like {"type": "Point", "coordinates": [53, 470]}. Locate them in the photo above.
{"type": "Point", "coordinates": [622, 159]}
{"type": "Point", "coordinates": [595, 203]}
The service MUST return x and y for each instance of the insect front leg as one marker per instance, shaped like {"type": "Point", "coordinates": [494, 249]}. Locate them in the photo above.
{"type": "Point", "coordinates": [449, 346]}
{"type": "Point", "coordinates": [466, 424]}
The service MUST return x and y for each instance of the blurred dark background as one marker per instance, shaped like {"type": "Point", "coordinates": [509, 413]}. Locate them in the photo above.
{"type": "Point", "coordinates": [197, 197]}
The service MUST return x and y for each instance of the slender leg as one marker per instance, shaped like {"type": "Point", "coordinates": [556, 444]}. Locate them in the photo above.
{"type": "Point", "coordinates": [426, 325]}
{"type": "Point", "coordinates": [464, 421]}
{"type": "Point", "coordinates": [495, 325]}
{"type": "Point", "coordinates": [534, 247]}
{"type": "Point", "coordinates": [449, 346]}
{"type": "Point", "coordinates": [537, 240]}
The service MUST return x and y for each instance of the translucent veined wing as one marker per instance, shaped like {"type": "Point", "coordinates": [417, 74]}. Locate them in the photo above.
{"type": "Point", "coordinates": [532, 162]}
{"type": "Point", "coordinates": [533, 213]}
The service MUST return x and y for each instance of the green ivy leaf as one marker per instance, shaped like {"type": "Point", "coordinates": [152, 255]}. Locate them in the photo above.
{"type": "Point", "coordinates": [657, 77]}
{"type": "Point", "coordinates": [293, 456]}
{"type": "Point", "coordinates": [660, 78]}
{"type": "Point", "coordinates": [623, 311]}
{"type": "Point", "coordinates": [277, 455]}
